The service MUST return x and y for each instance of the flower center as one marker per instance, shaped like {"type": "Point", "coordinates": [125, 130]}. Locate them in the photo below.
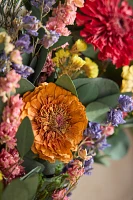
{"type": "Point", "coordinates": [53, 118]}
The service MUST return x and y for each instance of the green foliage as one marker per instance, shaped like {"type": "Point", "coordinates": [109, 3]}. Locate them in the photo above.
{"type": "Point", "coordinates": [97, 112]}
{"type": "Point", "coordinates": [21, 190]}
{"type": "Point", "coordinates": [24, 137]}
{"type": "Point", "coordinates": [50, 168]}
{"type": "Point", "coordinates": [90, 52]}
{"type": "Point", "coordinates": [111, 100]}
{"type": "Point", "coordinates": [102, 159]}
{"type": "Point", "coordinates": [119, 145]}
{"type": "Point", "coordinates": [66, 82]}
{"type": "Point", "coordinates": [62, 40]}
{"type": "Point", "coordinates": [1, 189]}
{"type": "Point", "coordinates": [25, 86]}
{"type": "Point", "coordinates": [31, 166]}
{"type": "Point", "coordinates": [1, 108]}
{"type": "Point", "coordinates": [40, 63]}
{"type": "Point", "coordinates": [26, 58]}
{"type": "Point", "coordinates": [33, 62]}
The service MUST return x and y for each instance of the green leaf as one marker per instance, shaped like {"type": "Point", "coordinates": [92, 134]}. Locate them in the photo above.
{"type": "Point", "coordinates": [66, 82]}
{"type": "Point", "coordinates": [49, 168]}
{"type": "Point", "coordinates": [97, 112]}
{"type": "Point", "coordinates": [106, 87]}
{"type": "Point", "coordinates": [102, 159]}
{"type": "Point", "coordinates": [1, 108]}
{"type": "Point", "coordinates": [31, 165]}
{"type": "Point", "coordinates": [119, 145]}
{"type": "Point", "coordinates": [90, 52]}
{"type": "Point", "coordinates": [87, 93]}
{"type": "Point", "coordinates": [16, 190]}
{"type": "Point", "coordinates": [111, 100]}
{"type": "Point", "coordinates": [25, 86]}
{"type": "Point", "coordinates": [36, 12]}
{"type": "Point", "coordinates": [33, 62]}
{"type": "Point", "coordinates": [40, 63]}
{"type": "Point", "coordinates": [26, 58]}
{"type": "Point", "coordinates": [62, 40]}
{"type": "Point", "coordinates": [24, 137]}
{"type": "Point", "coordinates": [31, 183]}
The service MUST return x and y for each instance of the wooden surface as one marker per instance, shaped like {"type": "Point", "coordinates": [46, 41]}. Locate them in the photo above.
{"type": "Point", "coordinates": [108, 183]}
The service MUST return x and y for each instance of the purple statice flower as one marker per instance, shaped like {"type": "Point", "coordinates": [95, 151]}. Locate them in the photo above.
{"type": "Point", "coordinates": [47, 4]}
{"type": "Point", "coordinates": [31, 24]}
{"type": "Point", "coordinates": [115, 117]}
{"type": "Point", "coordinates": [49, 39]}
{"type": "Point", "coordinates": [102, 143]}
{"type": "Point", "coordinates": [93, 130]}
{"type": "Point", "coordinates": [88, 166]}
{"type": "Point", "coordinates": [125, 103]}
{"type": "Point", "coordinates": [23, 70]}
{"type": "Point", "coordinates": [23, 44]}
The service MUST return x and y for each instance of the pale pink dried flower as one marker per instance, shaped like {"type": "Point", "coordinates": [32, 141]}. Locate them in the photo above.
{"type": "Point", "coordinates": [60, 195]}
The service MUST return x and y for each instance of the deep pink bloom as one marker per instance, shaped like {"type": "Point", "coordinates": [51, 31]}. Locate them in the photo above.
{"type": "Point", "coordinates": [11, 121]}
{"type": "Point", "coordinates": [109, 27]}
{"type": "Point", "coordinates": [10, 164]}
{"type": "Point", "coordinates": [60, 195]}
{"type": "Point", "coordinates": [8, 84]}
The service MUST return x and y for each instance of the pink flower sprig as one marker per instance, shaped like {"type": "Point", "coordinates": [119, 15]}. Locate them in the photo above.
{"type": "Point", "coordinates": [10, 165]}
{"type": "Point", "coordinates": [9, 84]}
{"type": "Point", "coordinates": [60, 195]}
{"type": "Point", "coordinates": [11, 121]}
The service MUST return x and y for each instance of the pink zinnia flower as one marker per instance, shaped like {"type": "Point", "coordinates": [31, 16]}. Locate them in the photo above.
{"type": "Point", "coordinates": [108, 25]}
{"type": "Point", "coordinates": [10, 164]}
{"type": "Point", "coordinates": [60, 195]}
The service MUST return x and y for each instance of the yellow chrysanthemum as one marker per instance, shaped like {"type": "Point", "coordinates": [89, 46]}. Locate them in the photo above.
{"type": "Point", "coordinates": [90, 68]}
{"type": "Point", "coordinates": [61, 57]}
{"type": "Point", "coordinates": [127, 82]}
{"type": "Point", "coordinates": [58, 121]}
{"type": "Point", "coordinates": [79, 46]}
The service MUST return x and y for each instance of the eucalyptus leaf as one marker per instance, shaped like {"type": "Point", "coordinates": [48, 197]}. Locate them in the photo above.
{"type": "Point", "coordinates": [105, 86]}
{"type": "Point", "coordinates": [36, 12]}
{"type": "Point", "coordinates": [90, 52]}
{"type": "Point", "coordinates": [26, 58]}
{"type": "Point", "coordinates": [111, 100]}
{"type": "Point", "coordinates": [66, 82]}
{"type": "Point", "coordinates": [32, 183]}
{"type": "Point", "coordinates": [33, 62]}
{"type": "Point", "coordinates": [97, 112]}
{"type": "Point", "coordinates": [119, 145]}
{"type": "Point", "coordinates": [87, 93]}
{"type": "Point", "coordinates": [16, 190]}
{"type": "Point", "coordinates": [24, 137]}
{"type": "Point", "coordinates": [62, 40]}
{"type": "Point", "coordinates": [1, 108]}
{"type": "Point", "coordinates": [40, 63]}
{"type": "Point", "coordinates": [25, 86]}
{"type": "Point", "coordinates": [50, 168]}
{"type": "Point", "coordinates": [31, 165]}
{"type": "Point", "coordinates": [1, 189]}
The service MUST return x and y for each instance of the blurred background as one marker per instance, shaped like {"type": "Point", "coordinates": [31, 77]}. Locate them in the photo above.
{"type": "Point", "coordinates": [114, 182]}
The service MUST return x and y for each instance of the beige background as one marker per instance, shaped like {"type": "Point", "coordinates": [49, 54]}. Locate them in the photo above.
{"type": "Point", "coordinates": [108, 183]}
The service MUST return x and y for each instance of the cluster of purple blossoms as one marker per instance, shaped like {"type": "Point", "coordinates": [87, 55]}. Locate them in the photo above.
{"type": "Point", "coordinates": [115, 116]}
{"type": "Point", "coordinates": [31, 24]}
{"type": "Point", "coordinates": [49, 39]}
{"type": "Point", "coordinates": [47, 5]}
{"type": "Point", "coordinates": [23, 44]}
{"type": "Point", "coordinates": [23, 70]}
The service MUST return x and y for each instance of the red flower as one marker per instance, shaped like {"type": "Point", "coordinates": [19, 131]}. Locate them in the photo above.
{"type": "Point", "coordinates": [108, 25]}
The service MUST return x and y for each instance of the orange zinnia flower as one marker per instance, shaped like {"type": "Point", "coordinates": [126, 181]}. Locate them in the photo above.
{"type": "Point", "coordinates": [58, 121]}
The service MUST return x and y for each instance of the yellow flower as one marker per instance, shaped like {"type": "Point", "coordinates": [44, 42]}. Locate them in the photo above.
{"type": "Point", "coordinates": [76, 62]}
{"type": "Point", "coordinates": [61, 57]}
{"type": "Point", "coordinates": [79, 46]}
{"type": "Point", "coordinates": [2, 37]}
{"type": "Point", "coordinates": [91, 68]}
{"type": "Point", "coordinates": [58, 121]}
{"type": "Point", "coordinates": [127, 82]}
{"type": "Point", "coordinates": [1, 176]}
